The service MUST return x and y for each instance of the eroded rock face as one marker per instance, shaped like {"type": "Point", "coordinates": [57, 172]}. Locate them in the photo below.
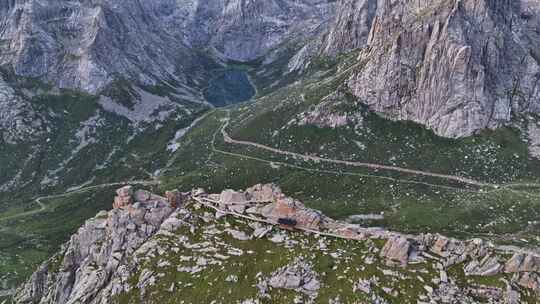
{"type": "Point", "coordinates": [175, 198]}
{"type": "Point", "coordinates": [397, 249]}
{"type": "Point", "coordinates": [454, 66]}
{"type": "Point", "coordinates": [91, 260]}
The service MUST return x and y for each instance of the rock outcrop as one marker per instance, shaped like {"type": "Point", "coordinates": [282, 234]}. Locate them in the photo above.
{"type": "Point", "coordinates": [92, 263]}
{"type": "Point", "coordinates": [397, 249]}
{"type": "Point", "coordinates": [136, 249]}
{"type": "Point", "coordinates": [289, 208]}
{"type": "Point", "coordinates": [298, 276]}
{"type": "Point", "coordinates": [521, 262]}
{"type": "Point", "coordinates": [124, 197]}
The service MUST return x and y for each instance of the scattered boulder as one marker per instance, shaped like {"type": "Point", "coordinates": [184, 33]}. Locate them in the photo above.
{"type": "Point", "coordinates": [231, 278]}
{"type": "Point", "coordinates": [260, 232]}
{"type": "Point", "coordinates": [239, 235]}
{"type": "Point", "coordinates": [199, 192]}
{"type": "Point", "coordinates": [397, 249]}
{"type": "Point", "coordinates": [298, 276]}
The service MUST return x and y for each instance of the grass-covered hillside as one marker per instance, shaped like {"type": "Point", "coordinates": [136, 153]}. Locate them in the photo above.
{"type": "Point", "coordinates": [301, 118]}
{"type": "Point", "coordinates": [84, 146]}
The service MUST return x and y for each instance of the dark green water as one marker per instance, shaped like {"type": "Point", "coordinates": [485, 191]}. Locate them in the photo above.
{"type": "Point", "coordinates": [229, 87]}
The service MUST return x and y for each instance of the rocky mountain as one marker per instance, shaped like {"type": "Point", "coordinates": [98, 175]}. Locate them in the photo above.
{"type": "Point", "coordinates": [416, 116]}
{"type": "Point", "coordinates": [455, 66]}
{"type": "Point", "coordinates": [88, 44]}
{"type": "Point", "coordinates": [267, 247]}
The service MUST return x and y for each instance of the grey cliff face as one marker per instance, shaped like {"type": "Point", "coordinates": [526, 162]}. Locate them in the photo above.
{"type": "Point", "coordinates": [87, 44]}
{"type": "Point", "coordinates": [454, 66]}
{"type": "Point", "coordinates": [350, 27]}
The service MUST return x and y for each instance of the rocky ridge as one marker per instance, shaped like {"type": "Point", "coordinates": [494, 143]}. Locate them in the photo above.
{"type": "Point", "coordinates": [146, 239]}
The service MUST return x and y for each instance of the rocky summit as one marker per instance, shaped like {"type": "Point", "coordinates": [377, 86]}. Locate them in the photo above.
{"type": "Point", "coordinates": [203, 248]}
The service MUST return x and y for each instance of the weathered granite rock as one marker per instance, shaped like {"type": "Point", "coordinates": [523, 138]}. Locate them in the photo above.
{"type": "Point", "coordinates": [350, 27]}
{"type": "Point", "coordinates": [91, 262]}
{"type": "Point", "coordinates": [231, 197]}
{"type": "Point", "coordinates": [488, 266]}
{"type": "Point", "coordinates": [397, 249]}
{"type": "Point", "coordinates": [298, 276]}
{"type": "Point", "coordinates": [124, 197]}
{"type": "Point", "coordinates": [264, 193]}
{"type": "Point", "coordinates": [455, 66]}
{"type": "Point", "coordinates": [288, 208]}
{"type": "Point", "coordinates": [521, 262]}
{"type": "Point", "coordinates": [175, 198]}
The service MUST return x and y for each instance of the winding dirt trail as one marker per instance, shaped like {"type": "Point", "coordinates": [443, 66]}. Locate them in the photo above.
{"type": "Point", "coordinates": [227, 138]}
{"type": "Point", "coordinates": [43, 207]}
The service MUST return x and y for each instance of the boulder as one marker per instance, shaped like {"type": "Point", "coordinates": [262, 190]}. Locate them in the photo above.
{"type": "Point", "coordinates": [266, 193]}
{"type": "Point", "coordinates": [397, 249]}
{"type": "Point", "coordinates": [231, 197]}
{"type": "Point", "coordinates": [288, 208]}
{"type": "Point", "coordinates": [124, 197]}
{"type": "Point", "coordinates": [142, 196]}
{"type": "Point", "coordinates": [199, 192]}
{"type": "Point", "coordinates": [529, 280]}
{"type": "Point", "coordinates": [175, 198]}
{"type": "Point", "coordinates": [298, 276]}
{"type": "Point", "coordinates": [488, 266]}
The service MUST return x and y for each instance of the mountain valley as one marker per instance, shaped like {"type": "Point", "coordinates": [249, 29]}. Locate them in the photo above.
{"type": "Point", "coordinates": [415, 117]}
